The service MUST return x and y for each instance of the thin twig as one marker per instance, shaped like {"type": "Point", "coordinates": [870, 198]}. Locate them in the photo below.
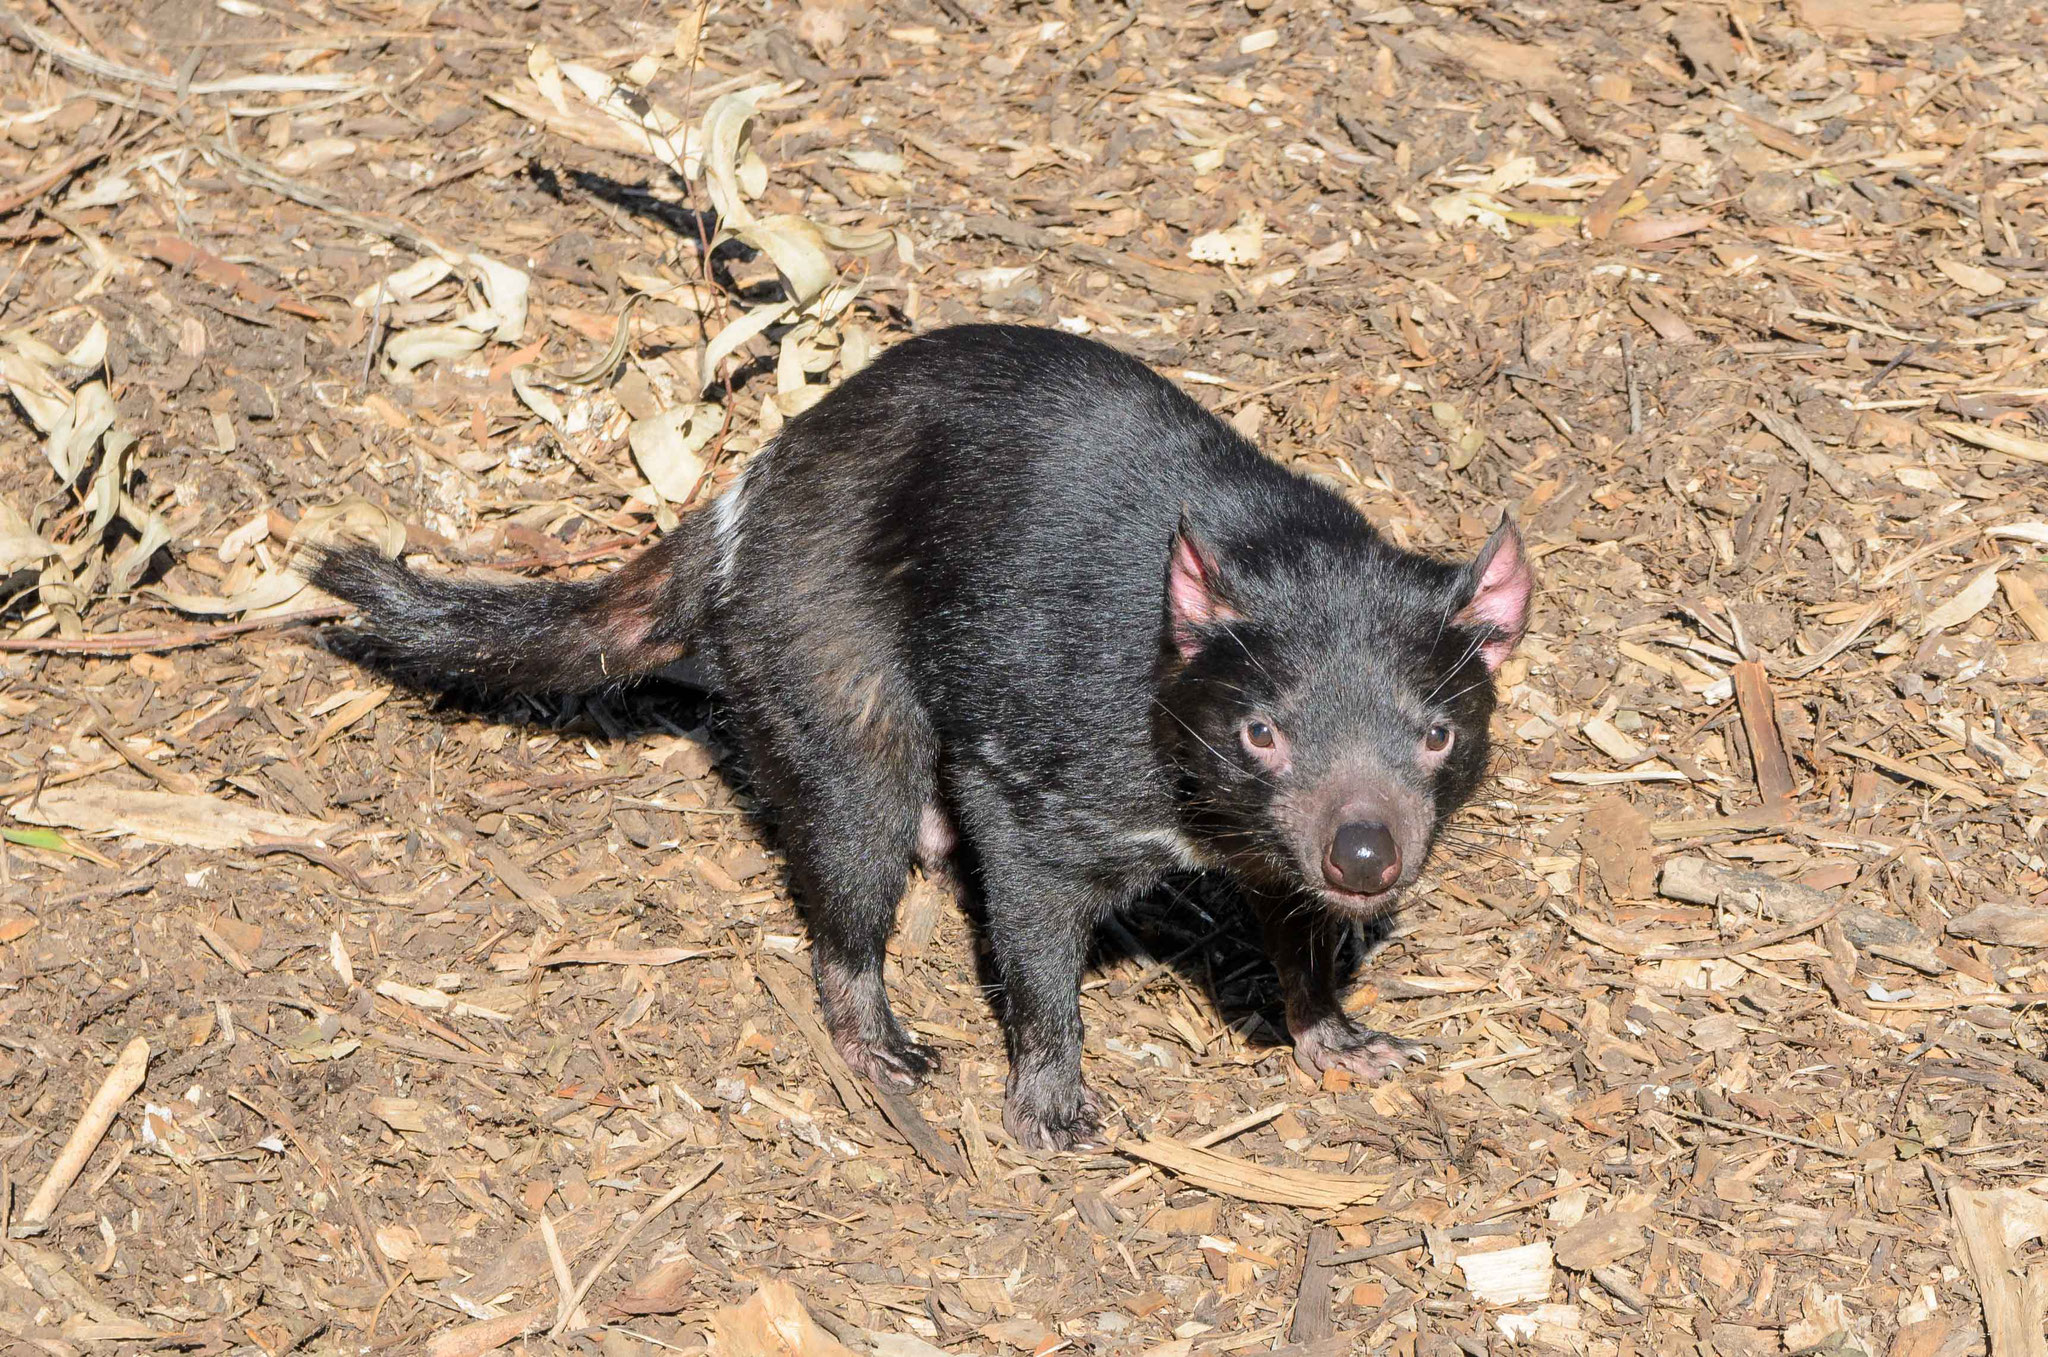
{"type": "Point", "coordinates": [611, 1256]}
{"type": "Point", "coordinates": [147, 642]}
{"type": "Point", "coordinates": [1745, 1128]}
{"type": "Point", "coordinates": [1635, 391]}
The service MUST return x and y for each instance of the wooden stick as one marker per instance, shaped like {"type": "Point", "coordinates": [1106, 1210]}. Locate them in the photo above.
{"type": "Point", "coordinates": [611, 1256]}
{"type": "Point", "coordinates": [1248, 1122]}
{"type": "Point", "coordinates": [1745, 1128]}
{"type": "Point", "coordinates": [119, 1086]}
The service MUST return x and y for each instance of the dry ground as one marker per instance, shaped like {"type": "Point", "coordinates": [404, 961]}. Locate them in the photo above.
{"type": "Point", "coordinates": [1739, 303]}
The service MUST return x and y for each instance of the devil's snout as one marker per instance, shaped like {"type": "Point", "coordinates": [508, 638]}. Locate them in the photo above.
{"type": "Point", "coordinates": [1363, 858]}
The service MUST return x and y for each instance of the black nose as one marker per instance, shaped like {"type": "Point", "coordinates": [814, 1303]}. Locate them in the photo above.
{"type": "Point", "coordinates": [1363, 859]}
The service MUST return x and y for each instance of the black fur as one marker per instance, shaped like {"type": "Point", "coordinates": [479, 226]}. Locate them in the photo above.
{"type": "Point", "coordinates": [523, 637]}
{"type": "Point", "coordinates": [1013, 581]}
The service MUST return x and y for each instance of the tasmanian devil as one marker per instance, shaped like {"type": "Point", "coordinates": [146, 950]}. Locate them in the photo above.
{"type": "Point", "coordinates": [1012, 585]}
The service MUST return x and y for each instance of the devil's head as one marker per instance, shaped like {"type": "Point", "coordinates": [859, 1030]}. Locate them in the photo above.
{"type": "Point", "coordinates": [1325, 699]}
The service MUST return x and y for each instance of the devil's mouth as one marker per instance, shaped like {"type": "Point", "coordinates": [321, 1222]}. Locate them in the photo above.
{"type": "Point", "coordinates": [1360, 904]}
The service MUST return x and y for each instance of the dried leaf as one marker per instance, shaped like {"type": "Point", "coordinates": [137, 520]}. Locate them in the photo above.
{"type": "Point", "coordinates": [534, 398]}
{"type": "Point", "coordinates": [795, 247]}
{"type": "Point", "coordinates": [164, 817]}
{"type": "Point", "coordinates": [665, 448]}
{"type": "Point", "coordinates": [772, 1323]}
{"type": "Point", "coordinates": [349, 518]}
{"type": "Point", "coordinates": [1983, 282]}
{"type": "Point", "coordinates": [414, 348]}
{"type": "Point", "coordinates": [404, 285]}
{"type": "Point", "coordinates": [20, 545]}
{"type": "Point", "coordinates": [1970, 600]}
{"type": "Point", "coordinates": [732, 171]}
{"type": "Point", "coordinates": [1527, 64]}
{"type": "Point", "coordinates": [728, 340]}
{"type": "Point", "coordinates": [505, 291]}
{"type": "Point", "coordinates": [265, 591]}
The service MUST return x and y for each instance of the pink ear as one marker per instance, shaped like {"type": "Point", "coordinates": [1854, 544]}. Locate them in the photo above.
{"type": "Point", "coordinates": [1192, 602]}
{"type": "Point", "coordinates": [1502, 587]}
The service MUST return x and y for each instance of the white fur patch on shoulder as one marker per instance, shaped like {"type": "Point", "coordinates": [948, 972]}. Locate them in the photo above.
{"type": "Point", "coordinates": [1185, 850]}
{"type": "Point", "coordinates": [727, 515]}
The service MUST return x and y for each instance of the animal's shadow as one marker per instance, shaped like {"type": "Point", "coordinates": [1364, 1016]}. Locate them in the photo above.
{"type": "Point", "coordinates": [1193, 928]}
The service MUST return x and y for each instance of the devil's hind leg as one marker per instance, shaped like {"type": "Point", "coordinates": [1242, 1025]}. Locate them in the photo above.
{"type": "Point", "coordinates": [850, 795]}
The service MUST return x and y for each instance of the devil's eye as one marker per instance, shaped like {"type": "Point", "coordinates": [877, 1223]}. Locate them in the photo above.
{"type": "Point", "coordinates": [1258, 734]}
{"type": "Point", "coordinates": [1438, 739]}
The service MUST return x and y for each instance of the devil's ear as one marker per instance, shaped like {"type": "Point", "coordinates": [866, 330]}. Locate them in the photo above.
{"type": "Point", "coordinates": [1194, 597]}
{"type": "Point", "coordinates": [1499, 585]}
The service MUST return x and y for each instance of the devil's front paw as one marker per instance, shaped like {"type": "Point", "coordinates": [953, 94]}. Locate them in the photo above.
{"type": "Point", "coordinates": [889, 1058]}
{"type": "Point", "coordinates": [1045, 1112]}
{"type": "Point", "coordinates": [1340, 1044]}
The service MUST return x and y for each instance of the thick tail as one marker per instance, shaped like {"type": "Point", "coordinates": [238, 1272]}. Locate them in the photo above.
{"type": "Point", "coordinates": [442, 632]}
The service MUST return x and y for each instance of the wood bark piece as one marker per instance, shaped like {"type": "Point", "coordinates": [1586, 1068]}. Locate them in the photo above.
{"type": "Point", "coordinates": [857, 1095]}
{"type": "Point", "coordinates": [1313, 1319]}
{"type": "Point", "coordinates": [1766, 744]}
{"type": "Point", "coordinates": [1990, 1227]}
{"type": "Point", "coordinates": [1699, 882]}
{"type": "Point", "coordinates": [1247, 1181]}
{"type": "Point", "coordinates": [122, 1080]}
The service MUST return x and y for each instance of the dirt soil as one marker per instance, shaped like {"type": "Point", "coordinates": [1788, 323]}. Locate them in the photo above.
{"type": "Point", "coordinates": [467, 1026]}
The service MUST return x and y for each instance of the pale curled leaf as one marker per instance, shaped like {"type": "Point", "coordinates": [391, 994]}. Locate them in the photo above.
{"type": "Point", "coordinates": [732, 171]}
{"type": "Point", "coordinates": [534, 398]}
{"type": "Point", "coordinates": [414, 348]}
{"type": "Point", "coordinates": [795, 247]}
{"type": "Point", "coordinates": [728, 341]}
{"type": "Point", "coordinates": [1983, 282]}
{"type": "Point", "coordinates": [797, 356]}
{"type": "Point", "coordinates": [505, 292]}
{"type": "Point", "coordinates": [152, 534]}
{"type": "Point", "coordinates": [104, 494]}
{"type": "Point", "coordinates": [37, 392]}
{"type": "Point", "coordinates": [71, 441]}
{"type": "Point", "coordinates": [1970, 600]}
{"type": "Point", "coordinates": [665, 447]}
{"type": "Point", "coordinates": [265, 591]}
{"type": "Point", "coordinates": [351, 517]}
{"type": "Point", "coordinates": [21, 545]}
{"type": "Point", "coordinates": [404, 285]}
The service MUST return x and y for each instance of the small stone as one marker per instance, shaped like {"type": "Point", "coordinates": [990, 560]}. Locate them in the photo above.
{"type": "Point", "coordinates": [1772, 196]}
